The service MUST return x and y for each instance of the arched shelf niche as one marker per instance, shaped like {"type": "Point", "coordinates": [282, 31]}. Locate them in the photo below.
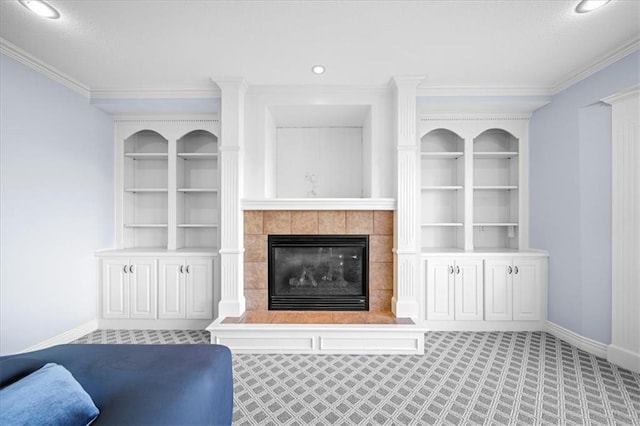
{"type": "Point", "coordinates": [496, 189]}
{"type": "Point", "coordinates": [197, 190]}
{"type": "Point", "coordinates": [145, 189]}
{"type": "Point", "coordinates": [442, 195]}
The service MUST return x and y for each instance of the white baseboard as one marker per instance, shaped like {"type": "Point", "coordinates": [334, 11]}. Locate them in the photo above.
{"type": "Point", "coordinates": [624, 358]}
{"type": "Point", "coordinates": [66, 337]}
{"type": "Point", "coordinates": [595, 348]}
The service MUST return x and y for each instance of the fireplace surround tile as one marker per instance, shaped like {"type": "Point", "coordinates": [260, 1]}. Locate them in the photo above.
{"type": "Point", "coordinates": [377, 224]}
{"type": "Point", "coordinates": [332, 222]}
{"type": "Point", "coordinates": [255, 248]}
{"type": "Point", "coordinates": [383, 222]}
{"type": "Point", "coordinates": [380, 248]}
{"type": "Point", "coordinates": [381, 276]}
{"type": "Point", "coordinates": [255, 275]}
{"type": "Point", "coordinates": [304, 222]}
{"type": "Point", "coordinates": [380, 300]}
{"type": "Point", "coordinates": [253, 222]}
{"type": "Point", "coordinates": [255, 300]}
{"type": "Point", "coordinates": [277, 222]}
{"type": "Point", "coordinates": [359, 222]}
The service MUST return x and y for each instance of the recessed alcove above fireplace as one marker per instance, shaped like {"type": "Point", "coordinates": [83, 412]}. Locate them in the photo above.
{"type": "Point", "coordinates": [319, 151]}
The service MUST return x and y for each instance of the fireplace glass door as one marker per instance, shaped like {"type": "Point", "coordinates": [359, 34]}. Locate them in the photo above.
{"type": "Point", "coordinates": [318, 272]}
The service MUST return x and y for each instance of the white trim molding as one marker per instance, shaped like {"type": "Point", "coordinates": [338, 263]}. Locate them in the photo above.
{"type": "Point", "coordinates": [625, 228]}
{"type": "Point", "coordinates": [65, 337]}
{"type": "Point", "coordinates": [599, 64]}
{"type": "Point", "coordinates": [588, 345]}
{"type": "Point", "coordinates": [319, 204]}
{"type": "Point", "coordinates": [14, 52]}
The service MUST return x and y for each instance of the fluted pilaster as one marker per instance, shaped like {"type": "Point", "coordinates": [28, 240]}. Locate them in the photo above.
{"type": "Point", "coordinates": [232, 302]}
{"type": "Point", "coordinates": [405, 298]}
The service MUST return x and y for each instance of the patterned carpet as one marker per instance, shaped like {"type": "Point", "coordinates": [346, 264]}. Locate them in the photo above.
{"type": "Point", "coordinates": [463, 378]}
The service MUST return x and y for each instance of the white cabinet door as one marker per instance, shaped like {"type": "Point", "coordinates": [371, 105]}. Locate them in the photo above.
{"type": "Point", "coordinates": [440, 288]}
{"type": "Point", "coordinates": [199, 288]}
{"type": "Point", "coordinates": [468, 290]}
{"type": "Point", "coordinates": [115, 291]}
{"type": "Point", "coordinates": [526, 289]}
{"type": "Point", "coordinates": [171, 292]}
{"type": "Point", "coordinates": [498, 300]}
{"type": "Point", "coordinates": [142, 288]}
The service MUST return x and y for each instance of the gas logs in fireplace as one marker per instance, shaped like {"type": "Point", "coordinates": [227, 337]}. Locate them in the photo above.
{"type": "Point", "coordinates": [318, 272]}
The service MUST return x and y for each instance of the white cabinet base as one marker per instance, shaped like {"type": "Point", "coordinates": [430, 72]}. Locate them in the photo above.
{"type": "Point", "coordinates": [153, 324]}
{"type": "Point", "coordinates": [485, 325]}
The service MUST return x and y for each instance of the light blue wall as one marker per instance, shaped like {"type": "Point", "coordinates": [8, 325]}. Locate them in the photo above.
{"type": "Point", "coordinates": [570, 196]}
{"type": "Point", "coordinates": [57, 205]}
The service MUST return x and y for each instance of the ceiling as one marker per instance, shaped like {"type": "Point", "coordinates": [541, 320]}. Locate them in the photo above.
{"type": "Point", "coordinates": [170, 45]}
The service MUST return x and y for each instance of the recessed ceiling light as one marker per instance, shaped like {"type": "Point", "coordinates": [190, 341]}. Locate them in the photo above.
{"type": "Point", "coordinates": [317, 69]}
{"type": "Point", "coordinates": [588, 5]}
{"type": "Point", "coordinates": [41, 8]}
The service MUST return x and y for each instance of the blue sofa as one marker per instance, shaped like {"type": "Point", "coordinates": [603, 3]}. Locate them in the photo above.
{"type": "Point", "coordinates": [142, 384]}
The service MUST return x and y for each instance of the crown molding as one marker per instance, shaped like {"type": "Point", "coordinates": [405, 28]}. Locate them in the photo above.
{"type": "Point", "coordinates": [12, 51]}
{"type": "Point", "coordinates": [473, 117]}
{"type": "Point", "coordinates": [629, 93]}
{"type": "Point", "coordinates": [446, 91]}
{"type": "Point", "coordinates": [331, 90]}
{"type": "Point", "coordinates": [166, 118]}
{"type": "Point", "coordinates": [598, 65]}
{"type": "Point", "coordinates": [213, 92]}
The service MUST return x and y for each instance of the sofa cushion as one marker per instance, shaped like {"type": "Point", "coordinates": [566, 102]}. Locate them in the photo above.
{"type": "Point", "coordinates": [48, 396]}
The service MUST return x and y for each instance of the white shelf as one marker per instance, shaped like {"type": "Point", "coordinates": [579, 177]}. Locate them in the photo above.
{"type": "Point", "coordinates": [495, 154]}
{"type": "Point", "coordinates": [198, 155]}
{"type": "Point", "coordinates": [426, 225]}
{"type": "Point", "coordinates": [146, 190]}
{"type": "Point", "coordinates": [147, 155]}
{"type": "Point", "coordinates": [197, 225]}
{"type": "Point", "coordinates": [492, 187]}
{"type": "Point", "coordinates": [442, 155]}
{"type": "Point", "coordinates": [145, 225]}
{"type": "Point", "coordinates": [495, 224]}
{"type": "Point", "coordinates": [197, 190]}
{"type": "Point", "coordinates": [442, 188]}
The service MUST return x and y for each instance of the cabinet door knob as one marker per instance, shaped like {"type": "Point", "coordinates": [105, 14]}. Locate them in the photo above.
{"type": "Point", "coordinates": [516, 269]}
{"type": "Point", "coordinates": [457, 269]}
{"type": "Point", "coordinates": [451, 269]}
{"type": "Point", "coordinates": [131, 269]}
{"type": "Point", "coordinates": [510, 270]}
{"type": "Point", "coordinates": [125, 269]}
{"type": "Point", "coordinates": [188, 269]}
{"type": "Point", "coordinates": [182, 269]}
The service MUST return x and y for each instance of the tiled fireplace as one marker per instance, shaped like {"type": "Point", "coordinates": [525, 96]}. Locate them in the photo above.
{"type": "Point", "coordinates": [376, 224]}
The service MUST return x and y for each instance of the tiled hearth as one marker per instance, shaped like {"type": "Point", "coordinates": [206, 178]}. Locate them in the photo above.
{"type": "Point", "coordinates": [378, 224]}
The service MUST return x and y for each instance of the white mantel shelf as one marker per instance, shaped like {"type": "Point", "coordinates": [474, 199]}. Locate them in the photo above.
{"type": "Point", "coordinates": [319, 204]}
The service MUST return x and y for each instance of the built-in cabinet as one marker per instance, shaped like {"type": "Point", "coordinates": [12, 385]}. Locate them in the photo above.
{"type": "Point", "coordinates": [167, 216]}
{"type": "Point", "coordinates": [454, 290]}
{"type": "Point", "coordinates": [485, 288]}
{"type": "Point", "coordinates": [185, 289]}
{"type": "Point", "coordinates": [129, 288]}
{"type": "Point", "coordinates": [512, 289]}
{"type": "Point", "coordinates": [478, 270]}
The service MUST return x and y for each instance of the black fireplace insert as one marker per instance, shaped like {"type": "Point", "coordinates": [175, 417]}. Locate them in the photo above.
{"type": "Point", "coordinates": [318, 272]}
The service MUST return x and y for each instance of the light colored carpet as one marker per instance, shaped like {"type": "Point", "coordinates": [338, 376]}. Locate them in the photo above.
{"type": "Point", "coordinates": [463, 378]}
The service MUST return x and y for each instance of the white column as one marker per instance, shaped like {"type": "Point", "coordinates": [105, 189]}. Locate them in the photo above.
{"type": "Point", "coordinates": [624, 349]}
{"type": "Point", "coordinates": [407, 224]}
{"type": "Point", "coordinates": [232, 302]}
